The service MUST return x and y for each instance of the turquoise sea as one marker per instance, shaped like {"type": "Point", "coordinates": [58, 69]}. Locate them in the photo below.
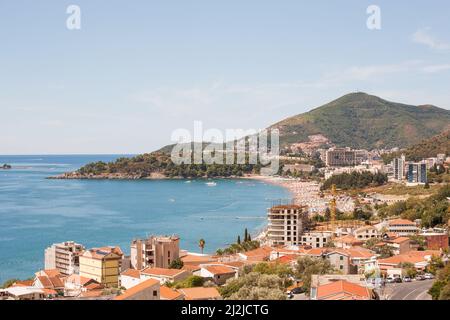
{"type": "Point", "coordinates": [36, 212]}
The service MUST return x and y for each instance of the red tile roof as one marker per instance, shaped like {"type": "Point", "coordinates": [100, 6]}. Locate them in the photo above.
{"type": "Point", "coordinates": [131, 273]}
{"type": "Point", "coordinates": [401, 222]}
{"type": "Point", "coordinates": [219, 269]}
{"type": "Point", "coordinates": [411, 257]}
{"type": "Point", "coordinates": [200, 293]}
{"type": "Point", "coordinates": [162, 272]}
{"type": "Point", "coordinates": [167, 293]}
{"type": "Point", "coordinates": [342, 290]}
{"type": "Point", "coordinates": [137, 288]}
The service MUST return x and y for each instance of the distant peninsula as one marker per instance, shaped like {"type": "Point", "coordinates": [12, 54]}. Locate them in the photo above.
{"type": "Point", "coordinates": [157, 165]}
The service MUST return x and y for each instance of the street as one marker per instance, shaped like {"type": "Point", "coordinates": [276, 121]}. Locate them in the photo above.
{"type": "Point", "coordinates": [416, 290]}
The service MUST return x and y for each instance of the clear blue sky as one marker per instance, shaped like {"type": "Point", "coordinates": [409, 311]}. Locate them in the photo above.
{"type": "Point", "coordinates": [137, 70]}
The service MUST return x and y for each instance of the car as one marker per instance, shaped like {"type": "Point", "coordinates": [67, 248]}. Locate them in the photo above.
{"type": "Point", "coordinates": [298, 290]}
{"type": "Point", "coordinates": [407, 279]}
{"type": "Point", "coordinates": [398, 280]}
{"type": "Point", "coordinates": [390, 280]}
{"type": "Point", "coordinates": [428, 276]}
{"type": "Point", "coordinates": [420, 277]}
{"type": "Point", "coordinates": [289, 295]}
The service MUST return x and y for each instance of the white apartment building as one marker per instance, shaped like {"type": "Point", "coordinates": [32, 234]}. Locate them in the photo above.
{"type": "Point", "coordinates": [316, 239]}
{"type": "Point", "coordinates": [366, 233]}
{"type": "Point", "coordinates": [286, 224]}
{"type": "Point", "coordinates": [402, 227]}
{"type": "Point", "coordinates": [64, 257]}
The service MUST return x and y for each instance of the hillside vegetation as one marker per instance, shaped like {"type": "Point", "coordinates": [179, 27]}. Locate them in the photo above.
{"type": "Point", "coordinates": [424, 149]}
{"type": "Point", "coordinates": [364, 121]}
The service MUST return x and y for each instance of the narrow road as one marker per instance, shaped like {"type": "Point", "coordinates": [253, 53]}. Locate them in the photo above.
{"type": "Point", "coordinates": [416, 290]}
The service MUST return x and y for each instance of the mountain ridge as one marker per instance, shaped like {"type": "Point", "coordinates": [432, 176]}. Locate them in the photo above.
{"type": "Point", "coordinates": [360, 120]}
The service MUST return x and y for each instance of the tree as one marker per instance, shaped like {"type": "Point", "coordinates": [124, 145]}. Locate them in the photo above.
{"type": "Point", "coordinates": [8, 283]}
{"type": "Point", "coordinates": [254, 286]}
{"type": "Point", "coordinates": [442, 281]}
{"type": "Point", "coordinates": [190, 282]}
{"type": "Point", "coordinates": [201, 244]}
{"type": "Point", "coordinates": [408, 269]}
{"type": "Point", "coordinates": [307, 266]}
{"type": "Point", "coordinates": [445, 292]}
{"type": "Point", "coordinates": [245, 235]}
{"type": "Point", "coordinates": [176, 264]}
{"type": "Point", "coordinates": [239, 240]}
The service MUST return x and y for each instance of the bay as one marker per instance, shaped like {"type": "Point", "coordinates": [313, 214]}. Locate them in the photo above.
{"type": "Point", "coordinates": [36, 212]}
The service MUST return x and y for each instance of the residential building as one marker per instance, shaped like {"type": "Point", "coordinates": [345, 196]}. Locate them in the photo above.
{"type": "Point", "coordinates": [164, 275]}
{"type": "Point", "coordinates": [366, 233]}
{"type": "Point", "coordinates": [193, 259]}
{"type": "Point", "coordinates": [102, 265]}
{"type": "Point", "coordinates": [50, 279]}
{"type": "Point", "coordinates": [64, 257]}
{"type": "Point", "coordinates": [316, 239]}
{"type": "Point", "coordinates": [398, 245]}
{"type": "Point", "coordinates": [399, 168]}
{"type": "Point", "coordinates": [155, 251]}
{"type": "Point", "coordinates": [347, 242]}
{"type": "Point", "coordinates": [260, 254]}
{"type": "Point", "coordinates": [436, 240]}
{"type": "Point", "coordinates": [417, 173]}
{"type": "Point", "coordinates": [218, 274]}
{"type": "Point", "coordinates": [402, 227]}
{"type": "Point", "coordinates": [286, 224]}
{"type": "Point", "coordinates": [75, 284]}
{"type": "Point", "coordinates": [146, 290]}
{"type": "Point", "coordinates": [341, 262]}
{"type": "Point", "coordinates": [420, 260]}
{"type": "Point", "coordinates": [129, 278]}
{"type": "Point", "coordinates": [22, 293]}
{"type": "Point", "coordinates": [341, 290]}
{"type": "Point", "coordinates": [200, 293]}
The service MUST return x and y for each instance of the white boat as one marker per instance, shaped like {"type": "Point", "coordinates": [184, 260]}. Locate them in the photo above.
{"type": "Point", "coordinates": [189, 181]}
{"type": "Point", "coordinates": [211, 184]}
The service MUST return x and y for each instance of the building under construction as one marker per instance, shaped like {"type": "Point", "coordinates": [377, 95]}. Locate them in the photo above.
{"type": "Point", "coordinates": [286, 224]}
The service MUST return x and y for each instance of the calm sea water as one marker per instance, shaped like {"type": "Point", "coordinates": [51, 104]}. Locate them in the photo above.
{"type": "Point", "coordinates": [36, 212]}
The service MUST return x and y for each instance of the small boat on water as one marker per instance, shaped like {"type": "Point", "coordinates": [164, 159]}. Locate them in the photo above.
{"type": "Point", "coordinates": [189, 181]}
{"type": "Point", "coordinates": [211, 184]}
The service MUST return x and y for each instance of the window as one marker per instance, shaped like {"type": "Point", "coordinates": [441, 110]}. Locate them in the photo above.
{"type": "Point", "coordinates": [341, 258]}
{"type": "Point", "coordinates": [324, 239]}
{"type": "Point", "coordinates": [155, 293]}
{"type": "Point", "coordinates": [341, 267]}
{"type": "Point", "coordinates": [168, 253]}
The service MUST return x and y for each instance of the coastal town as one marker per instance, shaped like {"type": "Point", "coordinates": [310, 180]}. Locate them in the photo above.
{"type": "Point", "coordinates": [337, 238]}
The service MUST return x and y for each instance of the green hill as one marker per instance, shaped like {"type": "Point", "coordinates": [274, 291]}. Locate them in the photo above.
{"type": "Point", "coordinates": [425, 149]}
{"type": "Point", "coordinates": [360, 120]}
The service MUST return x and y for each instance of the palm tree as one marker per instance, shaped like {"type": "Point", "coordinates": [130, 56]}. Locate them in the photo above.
{"type": "Point", "coordinates": [201, 244]}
